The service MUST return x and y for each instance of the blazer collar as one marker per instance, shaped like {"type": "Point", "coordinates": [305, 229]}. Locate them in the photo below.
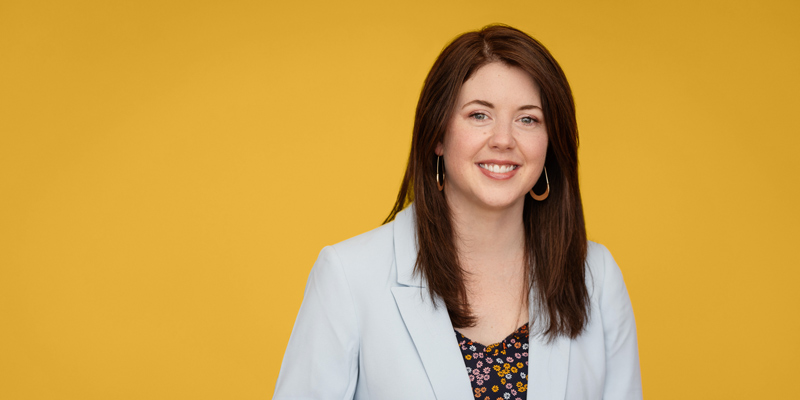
{"type": "Point", "coordinates": [427, 320]}
{"type": "Point", "coordinates": [405, 247]}
{"type": "Point", "coordinates": [432, 332]}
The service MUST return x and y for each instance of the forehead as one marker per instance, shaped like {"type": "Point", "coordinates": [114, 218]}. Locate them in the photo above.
{"type": "Point", "coordinates": [500, 83]}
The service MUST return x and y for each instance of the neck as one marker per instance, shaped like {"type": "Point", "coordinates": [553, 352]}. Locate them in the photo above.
{"type": "Point", "coordinates": [489, 238]}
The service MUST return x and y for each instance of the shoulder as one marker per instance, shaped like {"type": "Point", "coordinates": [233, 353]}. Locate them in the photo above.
{"type": "Point", "coordinates": [367, 246]}
{"type": "Point", "coordinates": [596, 258]}
{"type": "Point", "coordinates": [602, 270]}
{"type": "Point", "coordinates": [359, 258]}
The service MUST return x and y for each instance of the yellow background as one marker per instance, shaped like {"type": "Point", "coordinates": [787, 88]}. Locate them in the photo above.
{"type": "Point", "coordinates": [169, 172]}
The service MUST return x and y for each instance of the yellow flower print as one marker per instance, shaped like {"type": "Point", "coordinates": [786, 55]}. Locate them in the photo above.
{"type": "Point", "coordinates": [520, 365]}
{"type": "Point", "coordinates": [468, 357]}
{"type": "Point", "coordinates": [495, 388]}
{"type": "Point", "coordinates": [496, 368]}
{"type": "Point", "coordinates": [513, 370]}
{"type": "Point", "coordinates": [503, 381]}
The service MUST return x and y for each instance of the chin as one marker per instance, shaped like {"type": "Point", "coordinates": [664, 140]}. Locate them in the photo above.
{"type": "Point", "coordinates": [501, 202]}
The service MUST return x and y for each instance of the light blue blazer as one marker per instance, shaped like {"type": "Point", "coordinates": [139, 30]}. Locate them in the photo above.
{"type": "Point", "coordinates": [367, 329]}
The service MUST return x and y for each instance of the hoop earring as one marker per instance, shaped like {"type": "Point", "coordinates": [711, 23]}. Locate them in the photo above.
{"type": "Point", "coordinates": [540, 197]}
{"type": "Point", "coordinates": [440, 184]}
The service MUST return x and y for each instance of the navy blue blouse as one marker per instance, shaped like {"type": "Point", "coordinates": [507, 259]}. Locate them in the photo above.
{"type": "Point", "coordinates": [498, 371]}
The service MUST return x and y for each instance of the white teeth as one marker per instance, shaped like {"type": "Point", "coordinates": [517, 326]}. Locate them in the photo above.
{"type": "Point", "coordinates": [498, 168]}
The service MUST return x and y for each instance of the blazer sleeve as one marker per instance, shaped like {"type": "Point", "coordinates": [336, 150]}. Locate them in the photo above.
{"type": "Point", "coordinates": [321, 360]}
{"type": "Point", "coordinates": [623, 376]}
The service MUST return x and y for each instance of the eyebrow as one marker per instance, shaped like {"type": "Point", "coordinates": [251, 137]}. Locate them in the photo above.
{"type": "Point", "coordinates": [490, 105]}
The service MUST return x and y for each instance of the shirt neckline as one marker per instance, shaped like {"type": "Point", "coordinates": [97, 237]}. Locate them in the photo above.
{"type": "Point", "coordinates": [518, 334]}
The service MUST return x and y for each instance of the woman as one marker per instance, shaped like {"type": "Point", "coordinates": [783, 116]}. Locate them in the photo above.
{"type": "Point", "coordinates": [492, 251]}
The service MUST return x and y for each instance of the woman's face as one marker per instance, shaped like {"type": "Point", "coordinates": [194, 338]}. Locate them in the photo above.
{"type": "Point", "coordinates": [496, 140]}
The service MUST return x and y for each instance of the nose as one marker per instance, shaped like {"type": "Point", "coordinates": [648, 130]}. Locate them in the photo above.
{"type": "Point", "coordinates": [502, 136]}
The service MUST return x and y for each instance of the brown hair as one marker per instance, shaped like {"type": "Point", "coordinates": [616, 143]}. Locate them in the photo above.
{"type": "Point", "coordinates": [555, 235]}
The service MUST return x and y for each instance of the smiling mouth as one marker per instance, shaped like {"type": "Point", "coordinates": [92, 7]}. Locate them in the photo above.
{"type": "Point", "coordinates": [498, 169]}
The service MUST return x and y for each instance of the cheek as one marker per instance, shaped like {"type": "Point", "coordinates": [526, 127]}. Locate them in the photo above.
{"type": "Point", "coordinates": [459, 156]}
{"type": "Point", "coordinates": [461, 145]}
{"type": "Point", "coordinates": [454, 156]}
{"type": "Point", "coordinates": [536, 150]}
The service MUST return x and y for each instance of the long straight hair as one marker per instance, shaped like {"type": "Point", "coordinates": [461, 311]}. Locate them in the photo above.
{"type": "Point", "coordinates": [555, 234]}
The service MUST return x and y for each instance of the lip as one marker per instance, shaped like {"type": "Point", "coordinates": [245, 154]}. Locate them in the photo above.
{"type": "Point", "coordinates": [498, 175]}
{"type": "Point", "coordinates": [498, 162]}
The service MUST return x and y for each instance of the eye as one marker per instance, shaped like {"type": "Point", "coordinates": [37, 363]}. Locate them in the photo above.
{"type": "Point", "coordinates": [528, 120]}
{"type": "Point", "coordinates": [479, 116]}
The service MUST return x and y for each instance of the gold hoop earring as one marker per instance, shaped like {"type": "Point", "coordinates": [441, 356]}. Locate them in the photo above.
{"type": "Point", "coordinates": [440, 184]}
{"type": "Point", "coordinates": [540, 197]}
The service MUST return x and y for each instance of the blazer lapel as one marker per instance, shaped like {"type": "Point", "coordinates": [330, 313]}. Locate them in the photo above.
{"type": "Point", "coordinates": [435, 340]}
{"type": "Point", "coordinates": [548, 365]}
{"type": "Point", "coordinates": [428, 323]}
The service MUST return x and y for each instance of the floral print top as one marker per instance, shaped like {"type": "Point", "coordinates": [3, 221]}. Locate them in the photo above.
{"type": "Point", "coordinates": [498, 371]}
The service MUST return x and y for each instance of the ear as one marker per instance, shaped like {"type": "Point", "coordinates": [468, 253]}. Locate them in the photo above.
{"type": "Point", "coordinates": [439, 149]}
